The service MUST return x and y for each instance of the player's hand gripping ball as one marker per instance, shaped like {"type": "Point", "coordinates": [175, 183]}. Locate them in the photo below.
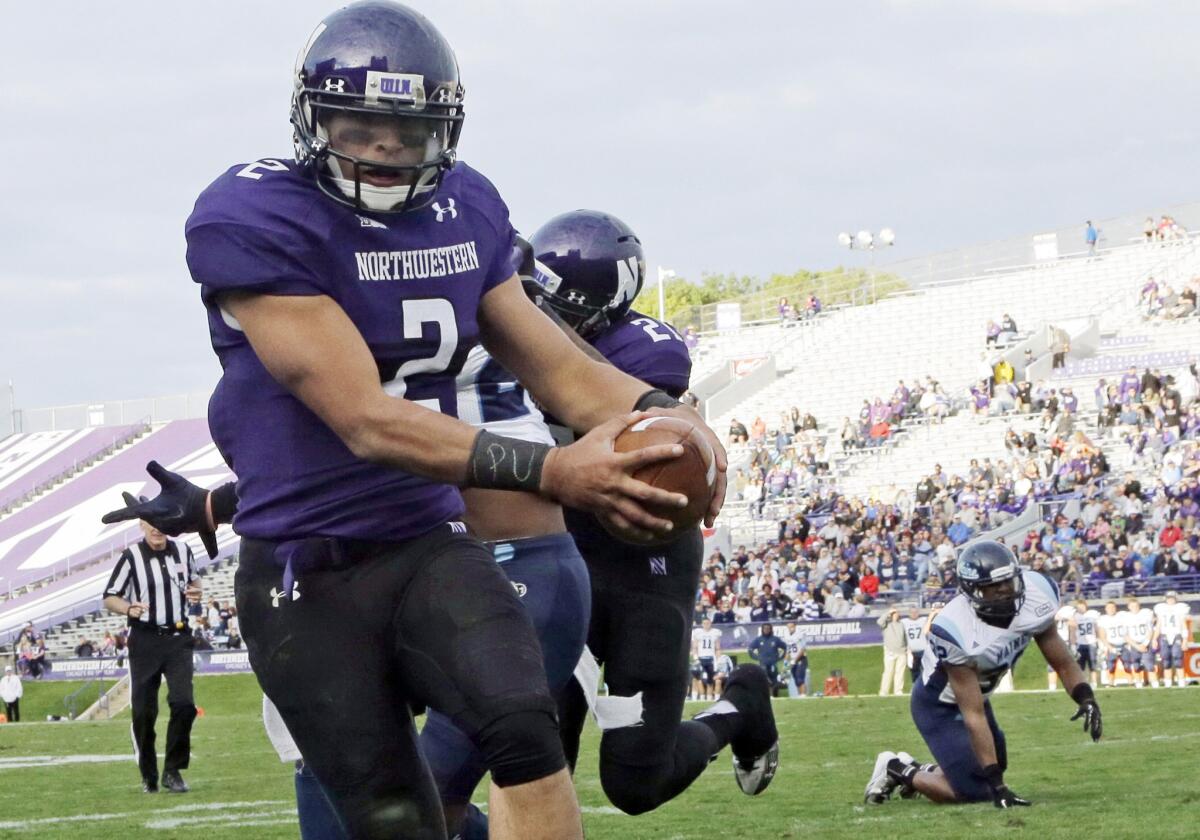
{"type": "Point", "coordinates": [693, 473]}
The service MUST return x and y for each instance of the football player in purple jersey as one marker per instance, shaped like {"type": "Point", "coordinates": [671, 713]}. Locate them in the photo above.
{"type": "Point", "coordinates": [587, 267]}
{"type": "Point", "coordinates": [344, 289]}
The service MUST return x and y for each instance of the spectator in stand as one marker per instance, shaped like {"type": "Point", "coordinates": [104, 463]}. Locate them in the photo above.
{"type": "Point", "coordinates": [1090, 236]}
{"type": "Point", "coordinates": [1008, 329]}
{"type": "Point", "coordinates": [1003, 373]}
{"type": "Point", "coordinates": [36, 658]}
{"type": "Point", "coordinates": [758, 430]}
{"type": "Point", "coordinates": [690, 339]}
{"type": "Point", "coordinates": [785, 311]}
{"type": "Point", "coordinates": [1149, 230]}
{"type": "Point", "coordinates": [1130, 386]}
{"type": "Point", "coordinates": [992, 333]}
{"type": "Point", "coordinates": [737, 432]}
{"type": "Point", "coordinates": [108, 645]}
{"type": "Point", "coordinates": [1060, 346]}
{"type": "Point", "coordinates": [813, 306]}
{"type": "Point", "coordinates": [85, 649]}
{"type": "Point", "coordinates": [11, 692]}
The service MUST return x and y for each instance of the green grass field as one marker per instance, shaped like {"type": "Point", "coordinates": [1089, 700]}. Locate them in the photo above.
{"type": "Point", "coordinates": [1139, 782]}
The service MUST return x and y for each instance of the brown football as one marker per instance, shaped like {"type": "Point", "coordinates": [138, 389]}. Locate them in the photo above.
{"type": "Point", "coordinates": [692, 473]}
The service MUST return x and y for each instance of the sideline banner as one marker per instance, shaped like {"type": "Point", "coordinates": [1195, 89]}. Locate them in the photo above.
{"type": "Point", "coordinates": [827, 633]}
{"type": "Point", "coordinates": [205, 661]}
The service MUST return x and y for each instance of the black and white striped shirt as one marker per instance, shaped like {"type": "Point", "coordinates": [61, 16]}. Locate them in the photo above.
{"type": "Point", "coordinates": [158, 579]}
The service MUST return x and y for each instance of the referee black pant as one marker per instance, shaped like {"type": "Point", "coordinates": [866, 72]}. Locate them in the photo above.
{"type": "Point", "coordinates": [13, 710]}
{"type": "Point", "coordinates": [151, 657]}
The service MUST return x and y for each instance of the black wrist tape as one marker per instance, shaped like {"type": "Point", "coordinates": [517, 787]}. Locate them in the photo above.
{"type": "Point", "coordinates": [655, 398]}
{"type": "Point", "coordinates": [504, 463]}
{"type": "Point", "coordinates": [1082, 693]}
{"type": "Point", "coordinates": [994, 775]}
{"type": "Point", "coordinates": [224, 503]}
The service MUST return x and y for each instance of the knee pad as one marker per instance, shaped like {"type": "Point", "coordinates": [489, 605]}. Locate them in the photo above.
{"type": "Point", "coordinates": [522, 746]}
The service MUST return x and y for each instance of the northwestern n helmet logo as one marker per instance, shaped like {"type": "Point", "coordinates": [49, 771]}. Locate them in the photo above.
{"type": "Point", "coordinates": [658, 565]}
{"type": "Point", "coordinates": [442, 211]}
{"type": "Point", "coordinates": [627, 281]}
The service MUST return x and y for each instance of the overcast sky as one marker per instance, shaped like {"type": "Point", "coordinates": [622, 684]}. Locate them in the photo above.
{"type": "Point", "coordinates": [732, 137]}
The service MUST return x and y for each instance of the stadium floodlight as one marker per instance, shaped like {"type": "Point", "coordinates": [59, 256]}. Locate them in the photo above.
{"type": "Point", "coordinates": [887, 236]}
{"type": "Point", "coordinates": [845, 240]}
{"type": "Point", "coordinates": [864, 239]}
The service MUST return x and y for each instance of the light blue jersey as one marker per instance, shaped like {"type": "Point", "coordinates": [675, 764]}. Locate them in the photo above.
{"type": "Point", "coordinates": [958, 636]}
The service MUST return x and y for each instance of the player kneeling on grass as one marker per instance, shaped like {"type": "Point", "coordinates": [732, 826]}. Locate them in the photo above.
{"type": "Point", "coordinates": [978, 637]}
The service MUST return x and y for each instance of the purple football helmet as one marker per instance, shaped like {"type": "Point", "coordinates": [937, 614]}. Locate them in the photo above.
{"type": "Point", "coordinates": [588, 267]}
{"type": "Point", "coordinates": [379, 67]}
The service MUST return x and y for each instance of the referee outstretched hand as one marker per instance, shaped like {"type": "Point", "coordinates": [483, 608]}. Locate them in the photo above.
{"type": "Point", "coordinates": [180, 508]}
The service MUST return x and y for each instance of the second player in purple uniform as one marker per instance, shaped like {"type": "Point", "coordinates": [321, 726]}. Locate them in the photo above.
{"type": "Point", "coordinates": [588, 267]}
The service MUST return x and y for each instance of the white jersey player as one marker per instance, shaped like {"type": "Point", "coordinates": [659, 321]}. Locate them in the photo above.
{"type": "Point", "coordinates": [796, 640]}
{"type": "Point", "coordinates": [1139, 650]}
{"type": "Point", "coordinates": [915, 628]}
{"type": "Point", "coordinates": [1062, 625]}
{"type": "Point", "coordinates": [972, 643]}
{"type": "Point", "coordinates": [706, 646]}
{"type": "Point", "coordinates": [1172, 633]}
{"type": "Point", "coordinates": [1112, 630]}
{"type": "Point", "coordinates": [1086, 627]}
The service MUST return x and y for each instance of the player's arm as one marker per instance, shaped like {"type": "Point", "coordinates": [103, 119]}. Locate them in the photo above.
{"type": "Point", "coordinates": [965, 682]}
{"type": "Point", "coordinates": [1058, 656]}
{"type": "Point", "coordinates": [1154, 635]}
{"type": "Point", "coordinates": [311, 347]}
{"type": "Point", "coordinates": [577, 389]}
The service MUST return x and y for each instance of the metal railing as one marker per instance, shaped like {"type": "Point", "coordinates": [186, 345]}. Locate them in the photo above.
{"type": "Point", "coordinates": [111, 413]}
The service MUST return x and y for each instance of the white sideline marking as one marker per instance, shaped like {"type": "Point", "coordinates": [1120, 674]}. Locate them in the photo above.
{"type": "Point", "coordinates": [26, 825]}
{"type": "Point", "coordinates": [19, 762]}
{"type": "Point", "coordinates": [287, 814]}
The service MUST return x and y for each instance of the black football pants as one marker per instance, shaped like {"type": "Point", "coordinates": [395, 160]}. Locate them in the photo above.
{"type": "Point", "coordinates": [152, 657]}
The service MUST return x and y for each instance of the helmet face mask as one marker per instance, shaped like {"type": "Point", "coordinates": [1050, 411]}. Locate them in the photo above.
{"type": "Point", "coordinates": [377, 107]}
{"type": "Point", "coordinates": [990, 576]}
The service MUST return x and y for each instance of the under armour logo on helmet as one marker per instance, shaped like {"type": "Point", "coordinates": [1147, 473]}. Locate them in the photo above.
{"type": "Point", "coordinates": [442, 211]}
{"type": "Point", "coordinates": [332, 85]}
{"type": "Point", "coordinates": [575, 296]}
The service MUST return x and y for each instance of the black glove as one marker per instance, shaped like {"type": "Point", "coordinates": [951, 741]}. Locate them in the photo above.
{"type": "Point", "coordinates": [1089, 710]}
{"type": "Point", "coordinates": [1002, 795]}
{"type": "Point", "coordinates": [179, 508]}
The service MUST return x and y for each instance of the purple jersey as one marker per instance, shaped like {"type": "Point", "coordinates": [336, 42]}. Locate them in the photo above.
{"type": "Point", "coordinates": [647, 349]}
{"type": "Point", "coordinates": [410, 282]}
{"type": "Point", "coordinates": [652, 351]}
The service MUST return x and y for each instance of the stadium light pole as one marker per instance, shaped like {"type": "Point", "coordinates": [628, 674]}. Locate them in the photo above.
{"type": "Point", "coordinates": [864, 240]}
{"type": "Point", "coordinates": [664, 274]}
{"type": "Point", "coordinates": [12, 406]}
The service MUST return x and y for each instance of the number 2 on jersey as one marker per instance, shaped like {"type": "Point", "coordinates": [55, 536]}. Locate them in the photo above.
{"type": "Point", "coordinates": [415, 314]}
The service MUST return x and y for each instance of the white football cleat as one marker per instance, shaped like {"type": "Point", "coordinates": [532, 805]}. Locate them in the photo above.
{"type": "Point", "coordinates": [880, 788]}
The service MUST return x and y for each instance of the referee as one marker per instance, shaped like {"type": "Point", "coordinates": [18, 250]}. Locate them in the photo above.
{"type": "Point", "coordinates": [151, 584]}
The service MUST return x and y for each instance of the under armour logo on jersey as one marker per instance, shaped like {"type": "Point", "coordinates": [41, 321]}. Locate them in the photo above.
{"type": "Point", "coordinates": [363, 221]}
{"type": "Point", "coordinates": [521, 589]}
{"type": "Point", "coordinates": [277, 596]}
{"type": "Point", "coordinates": [658, 565]}
{"type": "Point", "coordinates": [457, 527]}
{"type": "Point", "coordinates": [442, 211]}
{"type": "Point", "coordinates": [334, 85]}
